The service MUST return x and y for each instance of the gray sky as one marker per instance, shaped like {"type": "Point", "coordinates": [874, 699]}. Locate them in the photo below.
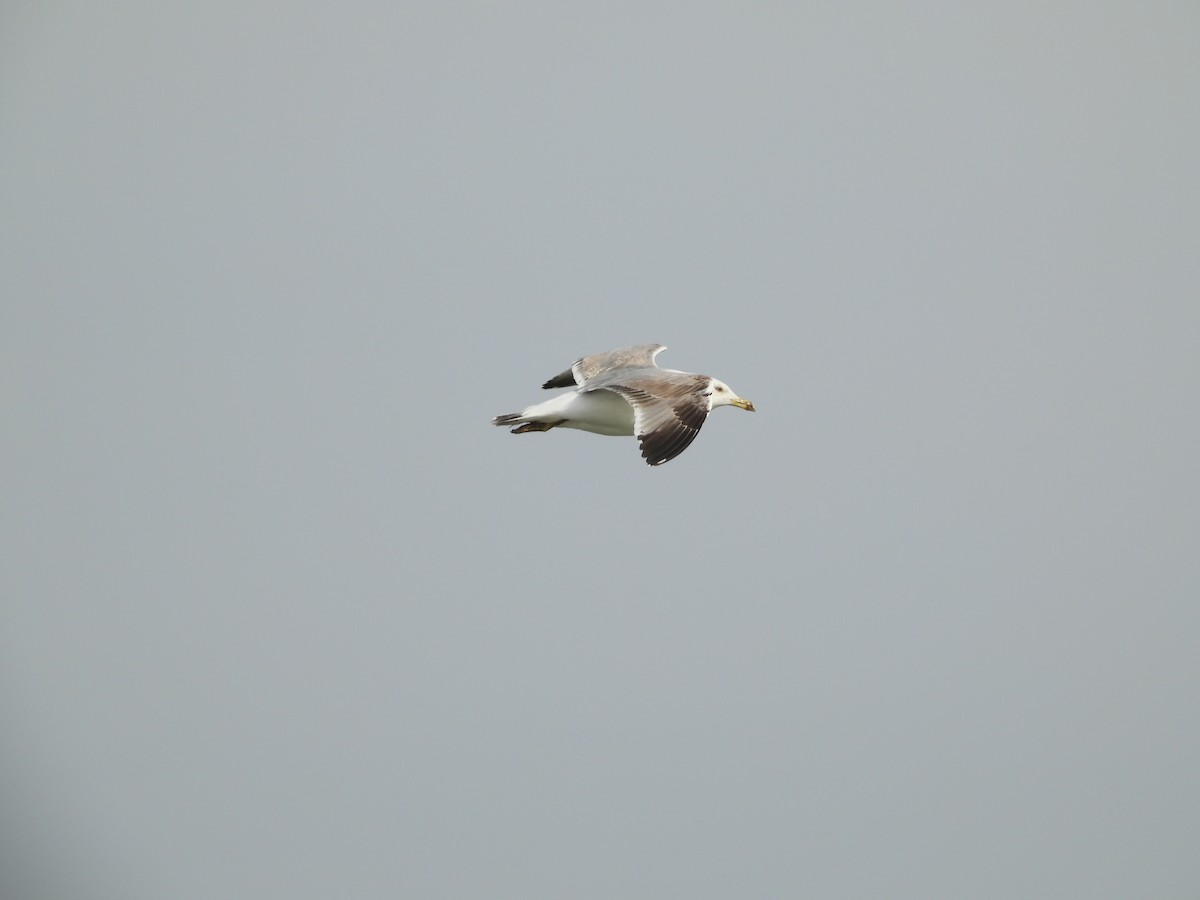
{"type": "Point", "coordinates": [284, 616]}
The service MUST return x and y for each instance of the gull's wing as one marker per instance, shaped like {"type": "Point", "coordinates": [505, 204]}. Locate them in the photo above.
{"type": "Point", "coordinates": [668, 407]}
{"type": "Point", "coordinates": [640, 357]}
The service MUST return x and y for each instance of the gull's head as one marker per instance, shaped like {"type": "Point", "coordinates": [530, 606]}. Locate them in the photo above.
{"type": "Point", "coordinates": [723, 396]}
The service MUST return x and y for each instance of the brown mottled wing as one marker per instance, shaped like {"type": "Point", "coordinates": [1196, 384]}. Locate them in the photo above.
{"type": "Point", "coordinates": [668, 408]}
{"type": "Point", "coordinates": [639, 357]}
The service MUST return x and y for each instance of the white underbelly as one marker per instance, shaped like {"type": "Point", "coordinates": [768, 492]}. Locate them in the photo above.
{"type": "Point", "coordinates": [600, 412]}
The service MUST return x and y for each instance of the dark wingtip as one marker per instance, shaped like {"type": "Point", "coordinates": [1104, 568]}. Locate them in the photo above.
{"type": "Point", "coordinates": [565, 379]}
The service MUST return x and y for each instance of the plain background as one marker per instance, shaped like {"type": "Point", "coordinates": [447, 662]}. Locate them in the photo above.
{"type": "Point", "coordinates": [284, 616]}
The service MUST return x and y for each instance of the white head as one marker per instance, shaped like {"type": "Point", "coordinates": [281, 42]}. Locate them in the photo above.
{"type": "Point", "coordinates": [723, 396]}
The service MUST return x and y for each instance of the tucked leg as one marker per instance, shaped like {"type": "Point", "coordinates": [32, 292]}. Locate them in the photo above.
{"type": "Point", "coordinates": [536, 426]}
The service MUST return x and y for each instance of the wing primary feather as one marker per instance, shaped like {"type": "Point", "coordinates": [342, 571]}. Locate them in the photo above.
{"type": "Point", "coordinates": [561, 380]}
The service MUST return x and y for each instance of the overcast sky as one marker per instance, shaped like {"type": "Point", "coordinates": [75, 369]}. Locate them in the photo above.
{"type": "Point", "coordinates": [283, 615]}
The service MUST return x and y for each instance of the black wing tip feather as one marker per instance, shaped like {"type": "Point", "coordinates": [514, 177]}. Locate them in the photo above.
{"type": "Point", "coordinates": [666, 443]}
{"type": "Point", "coordinates": [565, 379]}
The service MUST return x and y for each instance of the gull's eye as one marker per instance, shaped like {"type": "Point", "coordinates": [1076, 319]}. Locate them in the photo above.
{"type": "Point", "coordinates": [720, 389]}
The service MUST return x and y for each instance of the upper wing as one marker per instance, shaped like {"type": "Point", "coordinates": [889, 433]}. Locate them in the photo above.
{"type": "Point", "coordinates": [640, 357]}
{"type": "Point", "coordinates": [668, 407]}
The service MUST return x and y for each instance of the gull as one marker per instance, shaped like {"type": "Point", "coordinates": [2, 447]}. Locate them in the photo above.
{"type": "Point", "coordinates": [624, 392]}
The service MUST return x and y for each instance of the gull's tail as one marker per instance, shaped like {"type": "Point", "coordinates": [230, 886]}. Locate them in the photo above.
{"type": "Point", "coordinates": [507, 419]}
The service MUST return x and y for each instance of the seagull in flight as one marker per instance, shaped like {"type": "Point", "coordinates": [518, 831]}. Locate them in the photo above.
{"type": "Point", "coordinates": [624, 392]}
